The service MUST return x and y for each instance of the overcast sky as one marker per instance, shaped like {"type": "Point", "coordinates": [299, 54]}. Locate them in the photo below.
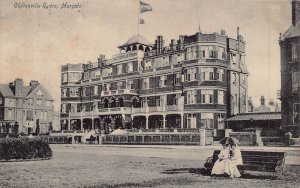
{"type": "Point", "coordinates": [36, 42]}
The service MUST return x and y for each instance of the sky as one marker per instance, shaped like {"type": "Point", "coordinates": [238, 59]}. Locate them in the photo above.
{"type": "Point", "coordinates": [36, 42]}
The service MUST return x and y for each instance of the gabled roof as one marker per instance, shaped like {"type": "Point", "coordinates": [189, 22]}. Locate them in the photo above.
{"type": "Point", "coordinates": [38, 87]}
{"type": "Point", "coordinates": [293, 31]}
{"type": "Point", "coordinates": [256, 116]}
{"type": "Point", "coordinates": [6, 91]}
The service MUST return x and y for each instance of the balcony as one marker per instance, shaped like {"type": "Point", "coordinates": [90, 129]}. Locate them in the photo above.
{"type": "Point", "coordinates": [159, 109]}
{"type": "Point", "coordinates": [101, 111]}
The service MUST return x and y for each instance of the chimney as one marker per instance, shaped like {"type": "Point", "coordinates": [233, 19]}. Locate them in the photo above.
{"type": "Point", "coordinates": [172, 44]}
{"type": "Point", "coordinates": [295, 12]}
{"type": "Point", "coordinates": [223, 32]}
{"type": "Point", "coordinates": [34, 83]}
{"type": "Point", "coordinates": [181, 42]}
{"type": "Point", "coordinates": [101, 60]}
{"type": "Point", "coordinates": [19, 87]}
{"type": "Point", "coordinates": [262, 100]}
{"type": "Point", "coordinates": [271, 103]}
{"type": "Point", "coordinates": [159, 43]}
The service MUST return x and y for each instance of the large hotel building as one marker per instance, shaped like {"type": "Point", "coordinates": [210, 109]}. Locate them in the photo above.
{"type": "Point", "coordinates": [194, 82]}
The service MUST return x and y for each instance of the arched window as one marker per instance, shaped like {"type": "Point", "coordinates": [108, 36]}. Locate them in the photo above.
{"type": "Point", "coordinates": [141, 48]}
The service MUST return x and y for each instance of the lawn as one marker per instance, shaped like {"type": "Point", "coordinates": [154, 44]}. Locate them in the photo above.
{"type": "Point", "coordinates": [81, 166]}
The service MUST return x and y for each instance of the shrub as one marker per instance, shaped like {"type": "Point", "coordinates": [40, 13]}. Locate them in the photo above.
{"type": "Point", "coordinates": [24, 148]}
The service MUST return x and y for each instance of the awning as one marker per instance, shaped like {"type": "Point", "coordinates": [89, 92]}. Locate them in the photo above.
{"type": "Point", "coordinates": [256, 116]}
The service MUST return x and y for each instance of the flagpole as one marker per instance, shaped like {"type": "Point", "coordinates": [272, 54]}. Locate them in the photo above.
{"type": "Point", "coordinates": [139, 14]}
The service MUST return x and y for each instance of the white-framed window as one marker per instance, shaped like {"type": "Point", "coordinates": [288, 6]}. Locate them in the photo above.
{"type": "Point", "coordinates": [86, 76]}
{"type": "Point", "coordinates": [163, 81]}
{"type": "Point", "coordinates": [63, 108]}
{"type": "Point", "coordinates": [146, 83]}
{"type": "Point", "coordinates": [191, 96]}
{"type": "Point", "coordinates": [95, 90]}
{"type": "Point", "coordinates": [221, 52]}
{"type": "Point", "coordinates": [119, 69]}
{"type": "Point", "coordinates": [119, 85]}
{"type": "Point", "coordinates": [242, 59]}
{"type": "Point", "coordinates": [207, 74]}
{"type": "Point", "coordinates": [178, 78]}
{"type": "Point", "coordinates": [233, 58]}
{"type": "Point", "coordinates": [220, 97]}
{"type": "Point", "coordinates": [9, 113]}
{"type": "Point", "coordinates": [207, 120]}
{"type": "Point", "coordinates": [234, 78]}
{"type": "Point", "coordinates": [64, 92]}
{"type": "Point", "coordinates": [207, 96]}
{"type": "Point", "coordinates": [106, 87]}
{"type": "Point", "coordinates": [221, 121]}
{"type": "Point", "coordinates": [148, 64]}
{"type": "Point", "coordinates": [296, 113]}
{"type": "Point", "coordinates": [47, 102]}
{"type": "Point", "coordinates": [221, 75]}
{"type": "Point", "coordinates": [187, 75]}
{"type": "Point", "coordinates": [109, 71]}
{"type": "Point", "coordinates": [191, 121]}
{"type": "Point", "coordinates": [73, 92]}
{"type": "Point", "coordinates": [30, 101]}
{"type": "Point", "coordinates": [296, 81]}
{"type": "Point", "coordinates": [295, 52]}
{"type": "Point", "coordinates": [129, 67]}
{"type": "Point", "coordinates": [97, 73]}
{"type": "Point", "coordinates": [243, 78]}
{"type": "Point", "coordinates": [39, 102]}
{"type": "Point", "coordinates": [236, 100]}
{"type": "Point", "coordinates": [64, 77]}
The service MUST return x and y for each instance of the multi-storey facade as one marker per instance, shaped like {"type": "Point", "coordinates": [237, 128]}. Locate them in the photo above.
{"type": "Point", "coordinates": [25, 109]}
{"type": "Point", "coordinates": [290, 77]}
{"type": "Point", "coordinates": [195, 82]}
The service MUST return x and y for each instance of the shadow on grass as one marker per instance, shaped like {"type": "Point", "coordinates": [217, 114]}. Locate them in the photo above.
{"type": "Point", "coordinates": [205, 172]}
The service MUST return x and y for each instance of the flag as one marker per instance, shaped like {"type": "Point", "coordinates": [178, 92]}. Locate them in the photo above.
{"type": "Point", "coordinates": [142, 21]}
{"type": "Point", "coordinates": [144, 7]}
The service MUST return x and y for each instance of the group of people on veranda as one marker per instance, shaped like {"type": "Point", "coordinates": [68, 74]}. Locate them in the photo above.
{"type": "Point", "coordinates": [228, 159]}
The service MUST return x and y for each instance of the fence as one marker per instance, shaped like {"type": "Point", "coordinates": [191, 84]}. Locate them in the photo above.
{"type": "Point", "coordinates": [157, 139]}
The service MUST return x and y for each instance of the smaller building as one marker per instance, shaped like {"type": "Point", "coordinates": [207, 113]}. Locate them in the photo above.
{"type": "Point", "coordinates": [25, 109]}
{"type": "Point", "coordinates": [268, 122]}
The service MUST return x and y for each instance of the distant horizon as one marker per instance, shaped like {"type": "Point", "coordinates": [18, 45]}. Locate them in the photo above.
{"type": "Point", "coordinates": [37, 42]}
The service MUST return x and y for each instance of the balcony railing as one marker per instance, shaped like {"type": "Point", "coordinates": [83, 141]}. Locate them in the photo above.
{"type": "Point", "coordinates": [157, 109]}
{"type": "Point", "coordinates": [101, 111]}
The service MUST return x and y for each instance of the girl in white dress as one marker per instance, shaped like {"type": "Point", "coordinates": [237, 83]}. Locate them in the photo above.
{"type": "Point", "coordinates": [221, 166]}
{"type": "Point", "coordinates": [235, 159]}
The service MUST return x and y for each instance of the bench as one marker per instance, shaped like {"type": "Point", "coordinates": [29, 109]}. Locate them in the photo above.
{"type": "Point", "coordinates": [265, 161]}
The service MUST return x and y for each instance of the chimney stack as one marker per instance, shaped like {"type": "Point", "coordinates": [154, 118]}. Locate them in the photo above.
{"type": "Point", "coordinates": [262, 100]}
{"type": "Point", "coordinates": [19, 87]}
{"type": "Point", "coordinates": [295, 12]}
{"type": "Point", "coordinates": [33, 83]}
{"type": "Point", "coordinates": [159, 43]}
{"type": "Point", "coordinates": [172, 44]}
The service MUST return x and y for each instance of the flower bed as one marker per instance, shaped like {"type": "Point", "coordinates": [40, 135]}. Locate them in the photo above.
{"type": "Point", "coordinates": [24, 148]}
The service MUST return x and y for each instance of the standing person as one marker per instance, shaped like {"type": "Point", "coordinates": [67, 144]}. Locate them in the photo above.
{"type": "Point", "coordinates": [221, 166]}
{"type": "Point", "coordinates": [235, 159]}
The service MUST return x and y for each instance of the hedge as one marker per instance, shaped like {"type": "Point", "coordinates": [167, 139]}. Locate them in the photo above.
{"type": "Point", "coordinates": [24, 148]}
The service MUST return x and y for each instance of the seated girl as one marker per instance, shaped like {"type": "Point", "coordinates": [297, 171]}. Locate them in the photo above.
{"type": "Point", "coordinates": [221, 166]}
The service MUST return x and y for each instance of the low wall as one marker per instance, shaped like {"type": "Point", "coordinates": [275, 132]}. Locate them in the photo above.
{"type": "Point", "coordinates": [57, 139]}
{"type": "Point", "coordinates": [245, 138]}
{"type": "Point", "coordinates": [157, 139]}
